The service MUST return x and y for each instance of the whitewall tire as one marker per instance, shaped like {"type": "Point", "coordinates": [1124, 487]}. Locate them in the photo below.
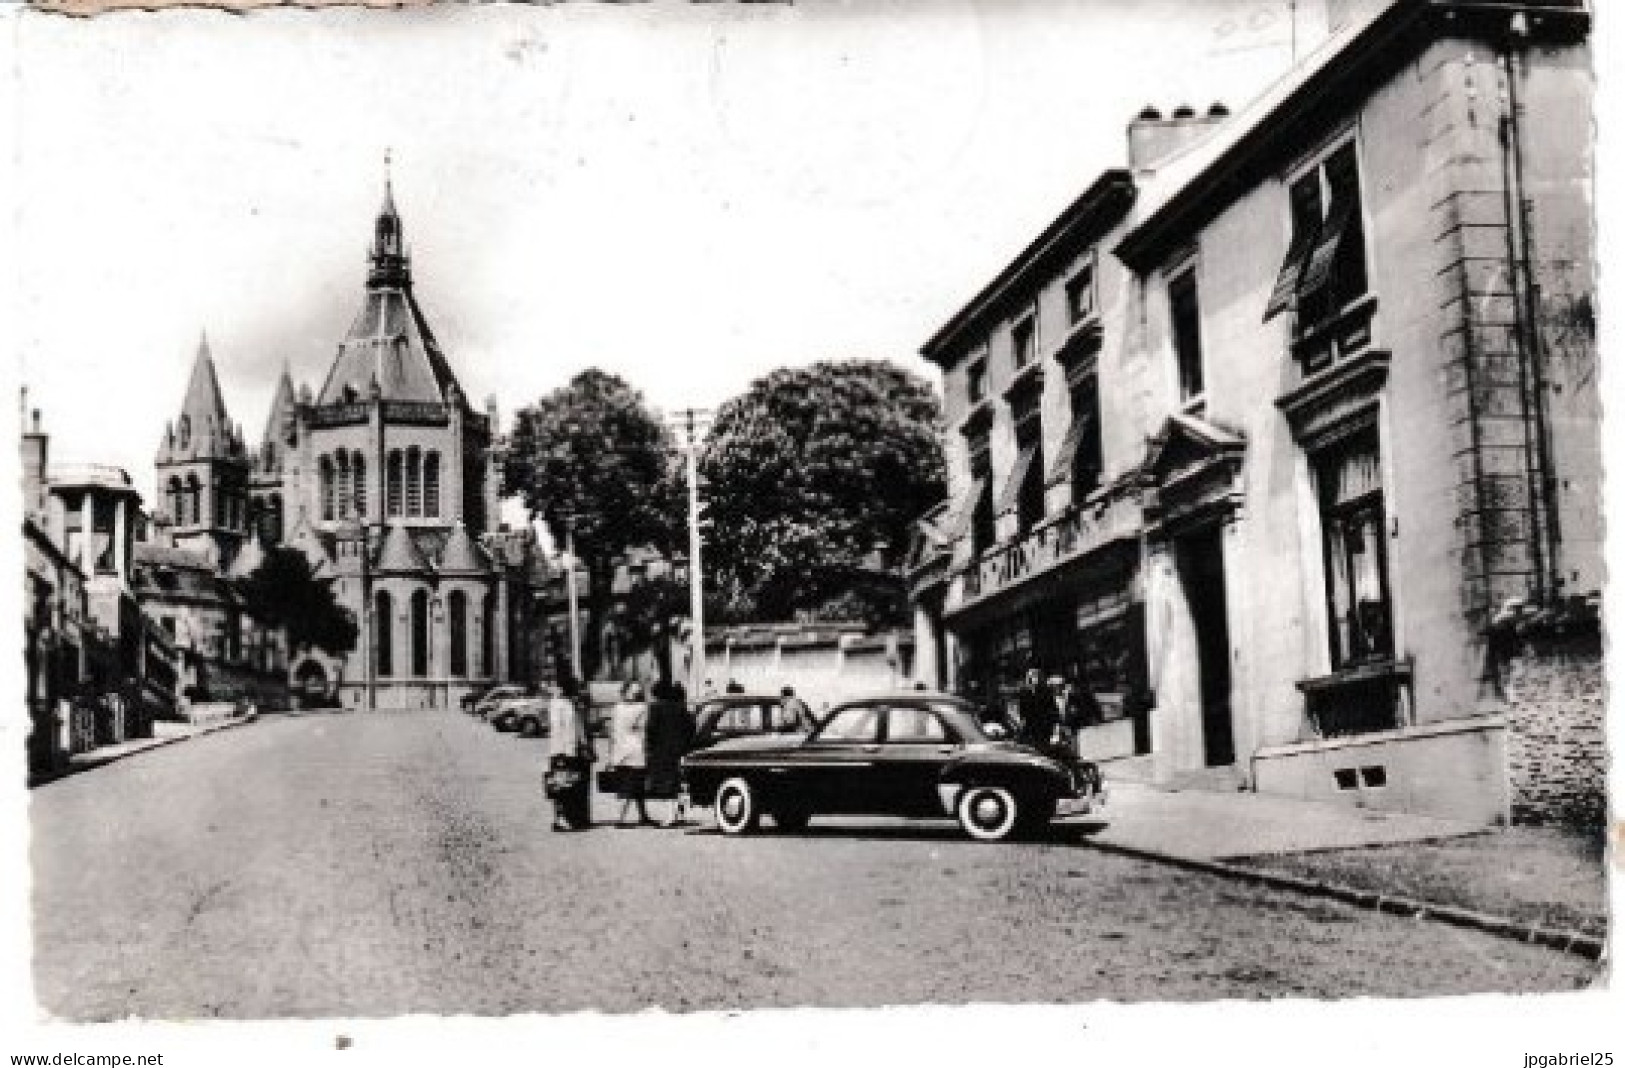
{"type": "Point", "coordinates": [987, 813]}
{"type": "Point", "coordinates": [736, 807]}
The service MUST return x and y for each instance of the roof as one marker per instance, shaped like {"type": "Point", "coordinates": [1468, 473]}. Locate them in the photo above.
{"type": "Point", "coordinates": [399, 553]}
{"type": "Point", "coordinates": [389, 343]}
{"type": "Point", "coordinates": [1190, 189]}
{"type": "Point", "coordinates": [1095, 211]}
{"type": "Point", "coordinates": [279, 420]}
{"type": "Point", "coordinates": [461, 555]}
{"type": "Point", "coordinates": [204, 429]}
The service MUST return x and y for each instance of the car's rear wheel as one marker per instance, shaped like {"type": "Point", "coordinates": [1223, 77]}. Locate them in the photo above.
{"type": "Point", "coordinates": [791, 819]}
{"type": "Point", "coordinates": [988, 813]}
{"type": "Point", "coordinates": [736, 807]}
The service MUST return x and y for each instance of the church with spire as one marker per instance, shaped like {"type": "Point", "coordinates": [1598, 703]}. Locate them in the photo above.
{"type": "Point", "coordinates": [387, 480]}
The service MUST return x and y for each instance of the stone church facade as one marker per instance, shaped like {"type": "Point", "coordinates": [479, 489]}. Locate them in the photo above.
{"type": "Point", "coordinates": [387, 480]}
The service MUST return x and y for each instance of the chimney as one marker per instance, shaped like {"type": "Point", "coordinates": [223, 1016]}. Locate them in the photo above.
{"type": "Point", "coordinates": [1153, 139]}
{"type": "Point", "coordinates": [35, 457]}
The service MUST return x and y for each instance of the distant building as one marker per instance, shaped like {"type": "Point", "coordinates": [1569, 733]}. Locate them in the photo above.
{"type": "Point", "coordinates": [387, 480]}
{"type": "Point", "coordinates": [1263, 435]}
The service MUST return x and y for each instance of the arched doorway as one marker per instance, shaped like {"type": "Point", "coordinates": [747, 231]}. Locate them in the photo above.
{"type": "Point", "coordinates": [310, 681]}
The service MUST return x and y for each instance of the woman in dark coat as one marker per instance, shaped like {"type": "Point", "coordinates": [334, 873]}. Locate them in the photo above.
{"type": "Point", "coordinates": [669, 737]}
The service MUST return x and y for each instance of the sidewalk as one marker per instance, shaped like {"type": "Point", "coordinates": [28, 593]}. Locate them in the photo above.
{"type": "Point", "coordinates": [164, 733]}
{"type": "Point", "coordinates": [1537, 885]}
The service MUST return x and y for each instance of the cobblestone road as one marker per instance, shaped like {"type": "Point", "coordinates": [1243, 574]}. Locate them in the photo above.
{"type": "Point", "coordinates": [378, 865]}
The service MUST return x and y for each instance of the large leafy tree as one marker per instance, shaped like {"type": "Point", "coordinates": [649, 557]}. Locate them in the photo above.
{"type": "Point", "coordinates": [808, 474]}
{"type": "Point", "coordinates": [592, 457]}
{"type": "Point", "coordinates": [283, 592]}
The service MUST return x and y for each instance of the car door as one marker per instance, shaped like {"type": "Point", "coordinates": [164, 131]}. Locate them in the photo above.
{"type": "Point", "coordinates": [916, 745]}
{"type": "Point", "coordinates": [833, 770]}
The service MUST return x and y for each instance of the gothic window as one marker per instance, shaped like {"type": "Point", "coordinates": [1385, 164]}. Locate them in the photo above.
{"type": "Point", "coordinates": [414, 482]}
{"type": "Point", "coordinates": [382, 618]}
{"type": "Point", "coordinates": [358, 484]}
{"type": "Point", "coordinates": [420, 634]}
{"type": "Point", "coordinates": [459, 633]}
{"type": "Point", "coordinates": [487, 625]}
{"type": "Point", "coordinates": [393, 479]}
{"type": "Point", "coordinates": [1348, 478]}
{"type": "Point", "coordinates": [194, 495]}
{"type": "Point", "coordinates": [273, 519]}
{"type": "Point", "coordinates": [341, 490]}
{"type": "Point", "coordinates": [177, 501]}
{"type": "Point", "coordinates": [326, 467]}
{"type": "Point", "coordinates": [431, 485]}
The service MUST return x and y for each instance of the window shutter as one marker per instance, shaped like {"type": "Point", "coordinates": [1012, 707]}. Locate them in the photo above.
{"type": "Point", "coordinates": [1317, 269]}
{"type": "Point", "coordinates": [1286, 283]}
{"type": "Point", "coordinates": [1018, 476]}
{"type": "Point", "coordinates": [1066, 458]}
{"type": "Point", "coordinates": [956, 523]}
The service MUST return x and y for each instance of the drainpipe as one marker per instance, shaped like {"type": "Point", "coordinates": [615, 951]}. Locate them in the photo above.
{"type": "Point", "coordinates": [1526, 304]}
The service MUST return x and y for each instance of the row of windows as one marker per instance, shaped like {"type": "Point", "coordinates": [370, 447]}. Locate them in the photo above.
{"type": "Point", "coordinates": [183, 502]}
{"type": "Point", "coordinates": [457, 612]}
{"type": "Point", "coordinates": [411, 484]}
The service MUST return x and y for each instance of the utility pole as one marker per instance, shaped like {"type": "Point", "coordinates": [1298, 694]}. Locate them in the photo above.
{"type": "Point", "coordinates": [691, 422]}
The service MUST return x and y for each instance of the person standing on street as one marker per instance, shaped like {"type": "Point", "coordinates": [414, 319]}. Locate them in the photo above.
{"type": "Point", "coordinates": [669, 738]}
{"type": "Point", "coordinates": [797, 716]}
{"type": "Point", "coordinates": [1036, 706]}
{"type": "Point", "coordinates": [569, 762]}
{"type": "Point", "coordinates": [628, 760]}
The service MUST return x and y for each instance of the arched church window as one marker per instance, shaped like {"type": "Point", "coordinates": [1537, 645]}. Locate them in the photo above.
{"type": "Point", "coordinates": [177, 501]}
{"type": "Point", "coordinates": [194, 497]}
{"type": "Point", "coordinates": [383, 608]}
{"type": "Point", "coordinates": [431, 485]}
{"type": "Point", "coordinates": [326, 467]}
{"type": "Point", "coordinates": [487, 628]}
{"type": "Point", "coordinates": [274, 519]}
{"type": "Point", "coordinates": [459, 633]}
{"type": "Point", "coordinates": [341, 488]}
{"type": "Point", "coordinates": [358, 484]}
{"type": "Point", "coordinates": [393, 478]}
{"type": "Point", "coordinates": [420, 634]}
{"type": "Point", "coordinates": [414, 482]}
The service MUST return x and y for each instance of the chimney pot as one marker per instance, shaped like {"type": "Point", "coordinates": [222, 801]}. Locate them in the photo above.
{"type": "Point", "coordinates": [1150, 114]}
{"type": "Point", "coordinates": [1184, 111]}
{"type": "Point", "coordinates": [1218, 111]}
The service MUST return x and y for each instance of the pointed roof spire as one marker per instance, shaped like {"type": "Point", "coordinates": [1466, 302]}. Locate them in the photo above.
{"type": "Point", "coordinates": [204, 408]}
{"type": "Point", "coordinates": [389, 188]}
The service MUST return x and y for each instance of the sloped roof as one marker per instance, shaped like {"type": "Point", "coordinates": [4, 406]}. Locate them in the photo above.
{"type": "Point", "coordinates": [400, 554]}
{"type": "Point", "coordinates": [389, 342]}
{"type": "Point", "coordinates": [203, 397]}
{"type": "Point", "coordinates": [461, 555]}
{"type": "Point", "coordinates": [204, 428]}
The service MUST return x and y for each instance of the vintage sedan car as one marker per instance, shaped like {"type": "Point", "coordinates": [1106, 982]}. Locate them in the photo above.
{"type": "Point", "coordinates": [509, 714]}
{"type": "Point", "coordinates": [491, 700]}
{"type": "Point", "coordinates": [743, 715]}
{"type": "Point", "coordinates": [916, 754]}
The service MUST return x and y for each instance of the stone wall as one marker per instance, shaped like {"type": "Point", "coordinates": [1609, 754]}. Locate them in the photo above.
{"type": "Point", "coordinates": [1556, 748]}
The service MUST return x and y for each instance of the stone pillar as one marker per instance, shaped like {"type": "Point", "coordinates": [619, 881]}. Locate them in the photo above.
{"type": "Point", "coordinates": [121, 543]}
{"type": "Point", "coordinates": [925, 648]}
{"type": "Point", "coordinates": [451, 472]}
{"type": "Point", "coordinates": [499, 625]}
{"type": "Point", "coordinates": [375, 463]}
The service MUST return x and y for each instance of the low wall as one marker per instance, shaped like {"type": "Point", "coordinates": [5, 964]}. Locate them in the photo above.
{"type": "Point", "coordinates": [1556, 747]}
{"type": "Point", "coordinates": [823, 672]}
{"type": "Point", "coordinates": [1454, 769]}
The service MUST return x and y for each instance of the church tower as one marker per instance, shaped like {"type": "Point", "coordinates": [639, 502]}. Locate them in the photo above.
{"type": "Point", "coordinates": [202, 470]}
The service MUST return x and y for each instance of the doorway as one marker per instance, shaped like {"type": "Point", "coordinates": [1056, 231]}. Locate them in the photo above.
{"type": "Point", "coordinates": [1201, 572]}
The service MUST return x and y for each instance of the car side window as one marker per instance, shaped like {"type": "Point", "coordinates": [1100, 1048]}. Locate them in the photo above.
{"type": "Point", "coordinates": [852, 725]}
{"type": "Point", "coordinates": [915, 725]}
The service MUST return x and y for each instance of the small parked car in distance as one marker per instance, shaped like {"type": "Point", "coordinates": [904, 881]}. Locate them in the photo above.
{"type": "Point", "coordinates": [916, 754]}
{"type": "Point", "coordinates": [490, 699]}
{"type": "Point", "coordinates": [532, 717]}
{"type": "Point", "coordinates": [506, 715]}
{"type": "Point", "coordinates": [742, 715]}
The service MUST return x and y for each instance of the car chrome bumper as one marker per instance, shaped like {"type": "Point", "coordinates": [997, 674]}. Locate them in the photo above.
{"type": "Point", "coordinates": [1081, 805]}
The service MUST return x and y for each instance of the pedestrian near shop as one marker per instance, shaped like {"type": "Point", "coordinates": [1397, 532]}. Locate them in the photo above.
{"type": "Point", "coordinates": [569, 761]}
{"type": "Point", "coordinates": [669, 737]}
{"type": "Point", "coordinates": [628, 760]}
{"type": "Point", "coordinates": [1036, 706]}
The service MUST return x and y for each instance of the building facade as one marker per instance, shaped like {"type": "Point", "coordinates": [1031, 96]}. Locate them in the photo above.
{"type": "Point", "coordinates": [387, 480]}
{"type": "Point", "coordinates": [1348, 419]}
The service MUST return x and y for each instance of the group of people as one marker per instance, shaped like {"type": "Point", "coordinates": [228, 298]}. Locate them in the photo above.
{"type": "Point", "coordinates": [1050, 712]}
{"type": "Point", "coordinates": [647, 740]}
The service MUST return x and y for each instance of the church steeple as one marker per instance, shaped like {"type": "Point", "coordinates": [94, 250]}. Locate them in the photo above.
{"type": "Point", "coordinates": [390, 266]}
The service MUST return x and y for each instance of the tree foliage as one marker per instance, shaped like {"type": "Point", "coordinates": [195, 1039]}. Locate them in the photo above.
{"type": "Point", "coordinates": [283, 592]}
{"type": "Point", "coordinates": [807, 474]}
{"type": "Point", "coordinates": [592, 455]}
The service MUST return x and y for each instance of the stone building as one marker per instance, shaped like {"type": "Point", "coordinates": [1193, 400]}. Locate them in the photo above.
{"type": "Point", "coordinates": [1345, 372]}
{"type": "Point", "coordinates": [387, 480]}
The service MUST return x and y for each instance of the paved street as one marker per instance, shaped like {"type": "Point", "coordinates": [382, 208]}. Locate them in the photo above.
{"type": "Point", "coordinates": [386, 864]}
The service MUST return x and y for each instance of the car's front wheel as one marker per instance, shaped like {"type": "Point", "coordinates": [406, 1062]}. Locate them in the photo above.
{"type": "Point", "coordinates": [736, 807]}
{"type": "Point", "coordinates": [988, 813]}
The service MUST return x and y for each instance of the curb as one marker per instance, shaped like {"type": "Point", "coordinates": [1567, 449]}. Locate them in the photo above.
{"type": "Point", "coordinates": [1581, 945]}
{"type": "Point", "coordinates": [114, 758]}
